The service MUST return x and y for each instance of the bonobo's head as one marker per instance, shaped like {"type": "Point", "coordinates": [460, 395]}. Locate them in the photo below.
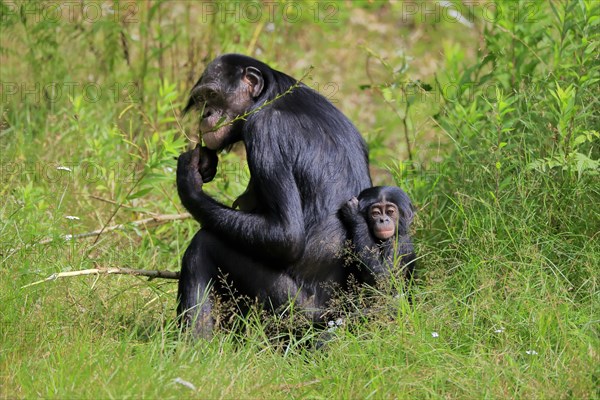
{"type": "Point", "coordinates": [229, 87]}
{"type": "Point", "coordinates": [387, 210]}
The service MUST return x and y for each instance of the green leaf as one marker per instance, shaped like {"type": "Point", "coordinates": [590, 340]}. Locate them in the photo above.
{"type": "Point", "coordinates": [139, 193]}
{"type": "Point", "coordinates": [387, 95]}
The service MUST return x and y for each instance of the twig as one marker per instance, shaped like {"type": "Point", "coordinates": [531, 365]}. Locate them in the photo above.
{"type": "Point", "coordinates": [114, 203]}
{"type": "Point", "coordinates": [108, 271]}
{"type": "Point", "coordinates": [378, 90]}
{"type": "Point", "coordinates": [117, 208]}
{"type": "Point", "coordinates": [147, 222]}
{"type": "Point", "coordinates": [244, 116]}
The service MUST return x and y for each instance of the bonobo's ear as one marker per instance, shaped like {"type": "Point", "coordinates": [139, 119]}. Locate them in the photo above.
{"type": "Point", "coordinates": [253, 77]}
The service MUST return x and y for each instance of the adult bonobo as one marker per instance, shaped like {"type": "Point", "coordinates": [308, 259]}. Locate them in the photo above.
{"type": "Point", "coordinates": [305, 159]}
{"type": "Point", "coordinates": [378, 224]}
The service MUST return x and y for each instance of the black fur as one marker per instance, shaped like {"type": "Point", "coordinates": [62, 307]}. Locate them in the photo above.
{"type": "Point", "coordinates": [374, 258]}
{"type": "Point", "coordinates": [305, 159]}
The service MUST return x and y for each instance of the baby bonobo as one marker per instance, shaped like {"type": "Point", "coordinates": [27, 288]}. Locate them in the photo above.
{"type": "Point", "coordinates": [378, 224]}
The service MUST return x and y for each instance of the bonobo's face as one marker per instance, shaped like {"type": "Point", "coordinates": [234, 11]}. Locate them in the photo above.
{"type": "Point", "coordinates": [223, 93]}
{"type": "Point", "coordinates": [387, 210]}
{"type": "Point", "coordinates": [382, 219]}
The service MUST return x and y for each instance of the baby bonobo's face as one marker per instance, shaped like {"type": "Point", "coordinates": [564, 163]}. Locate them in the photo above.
{"type": "Point", "coordinates": [383, 219]}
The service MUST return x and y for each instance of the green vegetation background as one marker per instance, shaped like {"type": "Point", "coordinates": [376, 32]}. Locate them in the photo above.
{"type": "Point", "coordinates": [490, 123]}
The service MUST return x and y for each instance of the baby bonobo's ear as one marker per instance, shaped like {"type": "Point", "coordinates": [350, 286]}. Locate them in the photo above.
{"type": "Point", "coordinates": [408, 211]}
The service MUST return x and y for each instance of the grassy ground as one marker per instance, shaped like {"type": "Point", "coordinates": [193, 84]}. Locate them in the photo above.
{"type": "Point", "coordinates": [507, 229]}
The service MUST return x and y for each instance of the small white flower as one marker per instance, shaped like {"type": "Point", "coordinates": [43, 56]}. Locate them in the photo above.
{"type": "Point", "coordinates": [435, 334]}
{"type": "Point", "coordinates": [185, 383]}
{"type": "Point", "coordinates": [531, 352]}
{"type": "Point", "coordinates": [72, 218]}
{"type": "Point", "coordinates": [108, 9]}
{"type": "Point", "coordinates": [499, 330]}
{"type": "Point", "coordinates": [68, 237]}
{"type": "Point", "coordinates": [61, 168]}
{"type": "Point", "coordinates": [339, 322]}
{"type": "Point", "coordinates": [330, 324]}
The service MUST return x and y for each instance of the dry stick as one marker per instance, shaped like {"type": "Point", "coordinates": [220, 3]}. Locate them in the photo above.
{"type": "Point", "coordinates": [108, 271]}
{"type": "Point", "coordinates": [156, 220]}
{"type": "Point", "coordinates": [148, 221]}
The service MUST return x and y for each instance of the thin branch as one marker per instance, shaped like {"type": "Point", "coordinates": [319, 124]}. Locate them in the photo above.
{"type": "Point", "coordinates": [147, 223]}
{"type": "Point", "coordinates": [117, 208]}
{"type": "Point", "coordinates": [378, 90]}
{"type": "Point", "coordinates": [265, 104]}
{"type": "Point", "coordinates": [115, 203]}
{"type": "Point", "coordinates": [108, 271]}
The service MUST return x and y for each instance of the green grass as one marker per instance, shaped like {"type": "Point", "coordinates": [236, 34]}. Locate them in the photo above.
{"type": "Point", "coordinates": [506, 187]}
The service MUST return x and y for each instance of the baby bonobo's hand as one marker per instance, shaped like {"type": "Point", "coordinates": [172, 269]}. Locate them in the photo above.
{"type": "Point", "coordinates": [350, 211]}
{"type": "Point", "coordinates": [351, 206]}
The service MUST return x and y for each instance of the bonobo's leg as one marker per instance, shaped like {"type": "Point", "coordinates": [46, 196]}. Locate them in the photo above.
{"type": "Point", "coordinates": [206, 261]}
{"type": "Point", "coordinates": [194, 305]}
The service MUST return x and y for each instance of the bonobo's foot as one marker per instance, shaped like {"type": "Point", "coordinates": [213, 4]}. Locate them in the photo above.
{"type": "Point", "coordinates": [201, 324]}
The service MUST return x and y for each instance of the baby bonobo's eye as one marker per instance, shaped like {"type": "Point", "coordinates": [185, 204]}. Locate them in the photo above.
{"type": "Point", "coordinates": [390, 212]}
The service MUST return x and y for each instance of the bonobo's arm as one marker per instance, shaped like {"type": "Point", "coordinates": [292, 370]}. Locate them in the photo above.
{"type": "Point", "coordinates": [278, 231]}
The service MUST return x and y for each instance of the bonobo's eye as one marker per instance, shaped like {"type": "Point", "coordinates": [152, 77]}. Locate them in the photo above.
{"type": "Point", "coordinates": [375, 213]}
{"type": "Point", "coordinates": [390, 212]}
{"type": "Point", "coordinates": [210, 95]}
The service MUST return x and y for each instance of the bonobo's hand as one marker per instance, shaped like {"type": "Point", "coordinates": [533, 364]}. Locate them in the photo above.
{"type": "Point", "coordinates": [208, 164]}
{"type": "Point", "coordinates": [195, 167]}
{"type": "Point", "coordinates": [350, 211]}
